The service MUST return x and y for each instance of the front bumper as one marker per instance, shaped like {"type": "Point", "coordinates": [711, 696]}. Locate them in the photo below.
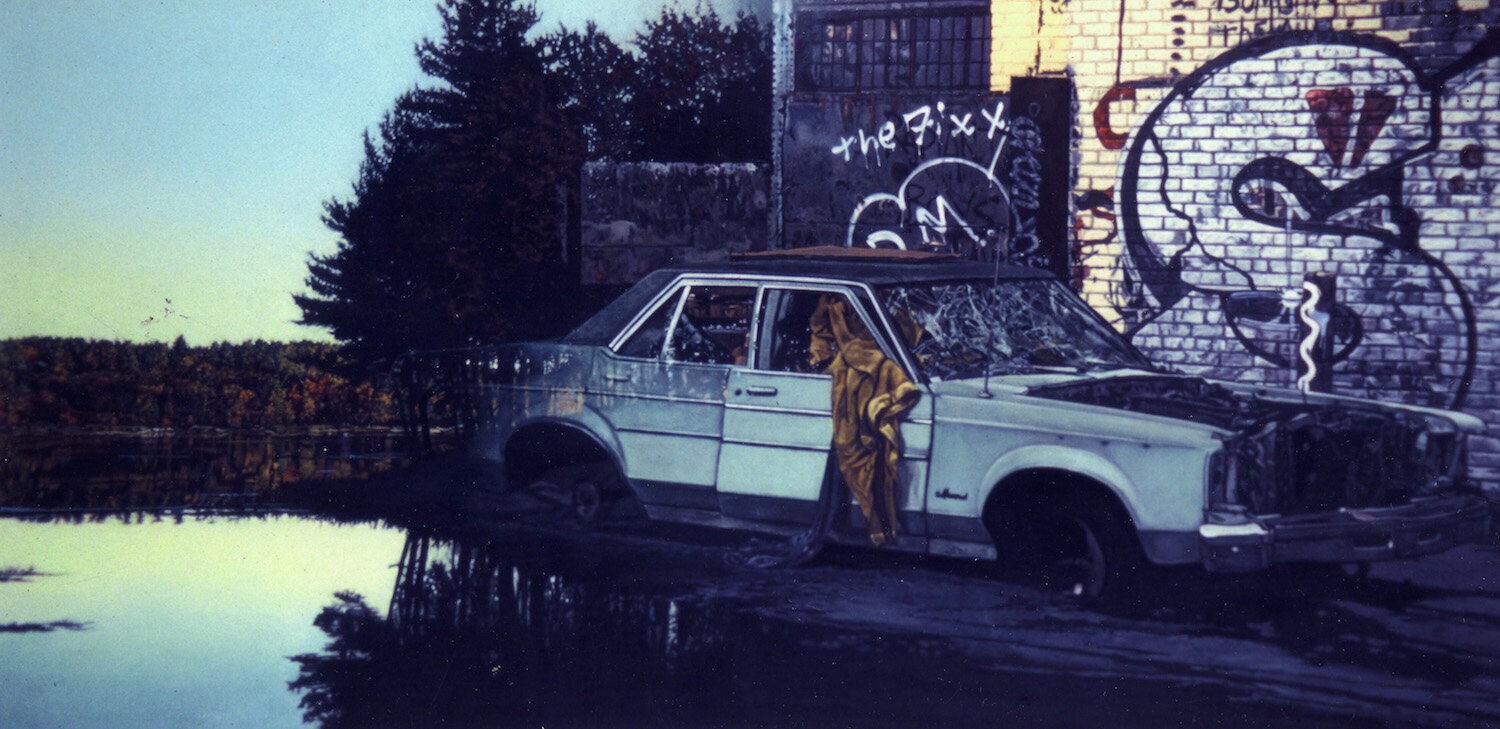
{"type": "Point", "coordinates": [1348, 535]}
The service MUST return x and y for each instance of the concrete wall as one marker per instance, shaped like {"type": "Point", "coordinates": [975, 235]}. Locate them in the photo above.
{"type": "Point", "coordinates": [1229, 147]}
{"type": "Point", "coordinates": [637, 217]}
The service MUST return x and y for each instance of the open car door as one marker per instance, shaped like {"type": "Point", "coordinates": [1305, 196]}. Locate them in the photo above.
{"type": "Point", "coordinates": [778, 421]}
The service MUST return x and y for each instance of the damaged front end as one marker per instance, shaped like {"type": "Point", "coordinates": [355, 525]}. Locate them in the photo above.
{"type": "Point", "coordinates": [1307, 459]}
{"type": "Point", "coordinates": [1313, 479]}
{"type": "Point", "coordinates": [1339, 483]}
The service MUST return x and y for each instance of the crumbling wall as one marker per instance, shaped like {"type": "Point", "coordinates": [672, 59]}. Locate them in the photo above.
{"type": "Point", "coordinates": [640, 216]}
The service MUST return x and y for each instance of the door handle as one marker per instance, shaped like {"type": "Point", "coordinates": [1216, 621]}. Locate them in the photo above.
{"type": "Point", "coordinates": [760, 390]}
{"type": "Point", "coordinates": [614, 377]}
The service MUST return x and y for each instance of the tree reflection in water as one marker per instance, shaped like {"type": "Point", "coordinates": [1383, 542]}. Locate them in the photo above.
{"type": "Point", "coordinates": [225, 471]}
{"type": "Point", "coordinates": [476, 637]}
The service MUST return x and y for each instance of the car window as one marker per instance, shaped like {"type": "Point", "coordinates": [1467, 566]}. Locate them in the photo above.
{"type": "Point", "coordinates": [648, 339]}
{"type": "Point", "coordinates": [969, 329]}
{"type": "Point", "coordinates": [714, 327]}
{"type": "Point", "coordinates": [794, 339]}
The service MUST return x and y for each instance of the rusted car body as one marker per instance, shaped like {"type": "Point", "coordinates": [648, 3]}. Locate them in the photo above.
{"type": "Point", "coordinates": [1037, 424]}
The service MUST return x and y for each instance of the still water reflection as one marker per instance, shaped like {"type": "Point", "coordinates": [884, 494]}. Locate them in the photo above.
{"type": "Point", "coordinates": [134, 470]}
{"type": "Point", "coordinates": [502, 633]}
{"type": "Point", "coordinates": [287, 620]}
{"type": "Point", "coordinates": [172, 624]}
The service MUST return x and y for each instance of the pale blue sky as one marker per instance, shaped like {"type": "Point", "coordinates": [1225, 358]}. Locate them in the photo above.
{"type": "Point", "coordinates": [182, 150]}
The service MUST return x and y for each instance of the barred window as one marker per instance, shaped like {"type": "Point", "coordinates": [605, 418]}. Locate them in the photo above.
{"type": "Point", "coordinates": [844, 53]}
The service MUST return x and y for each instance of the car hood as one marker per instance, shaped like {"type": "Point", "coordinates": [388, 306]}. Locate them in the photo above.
{"type": "Point", "coordinates": [1007, 400]}
{"type": "Point", "coordinates": [1223, 406]}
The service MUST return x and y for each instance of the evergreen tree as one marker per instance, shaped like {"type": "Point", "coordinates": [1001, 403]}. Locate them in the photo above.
{"type": "Point", "coordinates": [596, 78]}
{"type": "Point", "coordinates": [454, 233]}
{"type": "Point", "coordinates": [702, 89]}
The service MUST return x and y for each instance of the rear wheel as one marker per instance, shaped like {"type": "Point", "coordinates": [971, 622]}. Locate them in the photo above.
{"type": "Point", "coordinates": [581, 494]}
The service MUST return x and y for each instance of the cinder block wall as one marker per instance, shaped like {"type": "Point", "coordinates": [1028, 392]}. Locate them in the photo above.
{"type": "Point", "coordinates": [1226, 148]}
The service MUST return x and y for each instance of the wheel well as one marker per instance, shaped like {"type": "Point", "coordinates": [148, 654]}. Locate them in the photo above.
{"type": "Point", "coordinates": [1028, 490]}
{"type": "Point", "coordinates": [536, 448]}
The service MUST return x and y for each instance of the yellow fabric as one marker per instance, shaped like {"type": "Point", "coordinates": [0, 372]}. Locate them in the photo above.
{"type": "Point", "coordinates": [870, 394]}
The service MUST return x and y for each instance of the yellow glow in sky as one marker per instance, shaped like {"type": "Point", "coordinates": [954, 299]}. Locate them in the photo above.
{"type": "Point", "coordinates": [182, 150]}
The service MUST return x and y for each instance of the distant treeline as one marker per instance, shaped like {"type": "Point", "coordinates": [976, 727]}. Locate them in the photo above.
{"type": "Point", "coordinates": [66, 381]}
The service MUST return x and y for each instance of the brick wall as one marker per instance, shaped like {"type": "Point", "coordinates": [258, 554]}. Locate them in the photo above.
{"type": "Point", "coordinates": [1226, 148]}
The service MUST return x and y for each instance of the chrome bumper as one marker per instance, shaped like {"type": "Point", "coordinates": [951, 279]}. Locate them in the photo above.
{"type": "Point", "coordinates": [1348, 535]}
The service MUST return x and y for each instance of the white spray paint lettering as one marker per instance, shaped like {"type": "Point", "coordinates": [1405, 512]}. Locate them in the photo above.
{"type": "Point", "coordinates": [919, 122]}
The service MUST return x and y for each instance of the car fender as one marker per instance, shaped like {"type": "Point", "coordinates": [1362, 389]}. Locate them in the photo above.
{"type": "Point", "coordinates": [582, 418]}
{"type": "Point", "coordinates": [1072, 460]}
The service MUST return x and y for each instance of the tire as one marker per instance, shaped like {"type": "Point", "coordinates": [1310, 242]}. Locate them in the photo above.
{"type": "Point", "coordinates": [1076, 545]}
{"type": "Point", "coordinates": [581, 495]}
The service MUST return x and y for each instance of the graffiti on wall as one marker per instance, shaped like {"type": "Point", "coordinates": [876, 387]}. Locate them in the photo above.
{"type": "Point", "coordinates": [1298, 153]}
{"type": "Point", "coordinates": [984, 176]}
{"type": "Point", "coordinates": [949, 200]}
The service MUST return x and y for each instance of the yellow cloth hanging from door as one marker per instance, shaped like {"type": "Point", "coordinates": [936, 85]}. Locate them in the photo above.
{"type": "Point", "coordinates": [870, 394]}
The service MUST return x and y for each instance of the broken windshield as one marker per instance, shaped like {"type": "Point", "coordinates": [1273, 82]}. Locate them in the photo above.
{"type": "Point", "coordinates": [957, 331]}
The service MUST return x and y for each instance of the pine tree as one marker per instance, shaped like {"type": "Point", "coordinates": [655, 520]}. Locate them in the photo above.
{"type": "Point", "coordinates": [702, 89]}
{"type": "Point", "coordinates": [596, 78]}
{"type": "Point", "coordinates": [454, 232]}
{"type": "Point", "coordinates": [453, 235]}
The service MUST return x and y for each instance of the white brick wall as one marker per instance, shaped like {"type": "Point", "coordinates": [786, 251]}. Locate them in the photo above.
{"type": "Point", "coordinates": [1262, 105]}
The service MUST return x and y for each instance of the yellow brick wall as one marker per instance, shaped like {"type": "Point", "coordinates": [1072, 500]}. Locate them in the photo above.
{"type": "Point", "coordinates": [1029, 38]}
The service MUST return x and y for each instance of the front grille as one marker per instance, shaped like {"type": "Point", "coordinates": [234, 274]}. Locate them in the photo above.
{"type": "Point", "coordinates": [1335, 458]}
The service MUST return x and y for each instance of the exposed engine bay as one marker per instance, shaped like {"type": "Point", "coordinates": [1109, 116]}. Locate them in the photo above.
{"type": "Point", "coordinates": [1289, 457]}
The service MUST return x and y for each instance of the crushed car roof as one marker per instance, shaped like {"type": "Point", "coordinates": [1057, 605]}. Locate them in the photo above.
{"type": "Point", "coordinates": [862, 265]}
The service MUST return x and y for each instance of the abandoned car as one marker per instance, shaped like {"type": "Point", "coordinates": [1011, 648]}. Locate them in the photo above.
{"type": "Point", "coordinates": [972, 411]}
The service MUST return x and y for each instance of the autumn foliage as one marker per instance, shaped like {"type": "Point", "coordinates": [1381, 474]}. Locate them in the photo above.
{"type": "Point", "coordinates": [66, 381]}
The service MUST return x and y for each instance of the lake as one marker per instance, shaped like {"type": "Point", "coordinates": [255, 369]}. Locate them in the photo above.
{"type": "Point", "coordinates": [280, 620]}
{"type": "Point", "coordinates": [148, 469]}
{"type": "Point", "coordinates": [155, 622]}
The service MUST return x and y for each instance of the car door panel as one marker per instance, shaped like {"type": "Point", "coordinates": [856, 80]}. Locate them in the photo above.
{"type": "Point", "coordinates": [777, 431]}
{"type": "Point", "coordinates": [778, 424]}
{"type": "Point", "coordinates": [667, 418]}
{"type": "Point", "coordinates": [666, 403]}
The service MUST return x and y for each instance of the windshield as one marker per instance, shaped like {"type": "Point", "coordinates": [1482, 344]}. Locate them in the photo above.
{"type": "Point", "coordinates": [955, 330]}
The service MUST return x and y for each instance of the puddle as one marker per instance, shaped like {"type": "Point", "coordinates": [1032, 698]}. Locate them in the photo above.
{"type": "Point", "coordinates": [525, 630]}
{"type": "Point", "coordinates": [180, 620]}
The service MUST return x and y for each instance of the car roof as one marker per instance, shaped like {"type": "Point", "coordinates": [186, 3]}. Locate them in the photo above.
{"type": "Point", "coordinates": [874, 266]}
{"type": "Point", "coordinates": [830, 263]}
{"type": "Point", "coordinates": [874, 274]}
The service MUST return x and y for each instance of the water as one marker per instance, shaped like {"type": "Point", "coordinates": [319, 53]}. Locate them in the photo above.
{"type": "Point", "coordinates": [133, 470]}
{"type": "Point", "coordinates": [283, 620]}
{"type": "Point", "coordinates": [289, 620]}
{"type": "Point", "coordinates": [164, 615]}
{"type": "Point", "coordinates": [173, 624]}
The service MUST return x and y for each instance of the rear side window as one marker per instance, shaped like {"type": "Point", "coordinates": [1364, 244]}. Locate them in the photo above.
{"type": "Point", "coordinates": [648, 339]}
{"type": "Point", "coordinates": [715, 325]}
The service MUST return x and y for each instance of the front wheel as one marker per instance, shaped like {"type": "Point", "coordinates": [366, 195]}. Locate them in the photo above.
{"type": "Point", "coordinates": [1077, 546]}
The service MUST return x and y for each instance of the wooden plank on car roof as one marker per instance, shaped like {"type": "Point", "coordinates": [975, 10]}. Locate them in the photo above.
{"type": "Point", "coordinates": [842, 253]}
